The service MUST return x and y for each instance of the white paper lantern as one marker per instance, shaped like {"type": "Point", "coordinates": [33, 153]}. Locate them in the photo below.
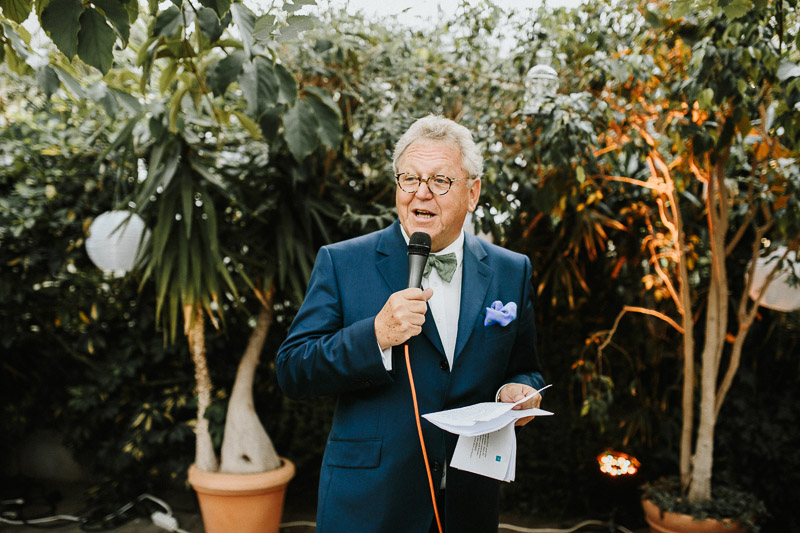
{"type": "Point", "coordinates": [541, 82]}
{"type": "Point", "coordinates": [780, 295]}
{"type": "Point", "coordinates": [114, 239]}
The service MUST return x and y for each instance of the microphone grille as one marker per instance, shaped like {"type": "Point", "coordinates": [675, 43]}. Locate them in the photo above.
{"type": "Point", "coordinates": [419, 243]}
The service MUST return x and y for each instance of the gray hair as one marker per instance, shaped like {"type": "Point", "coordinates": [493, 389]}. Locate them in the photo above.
{"type": "Point", "coordinates": [439, 128]}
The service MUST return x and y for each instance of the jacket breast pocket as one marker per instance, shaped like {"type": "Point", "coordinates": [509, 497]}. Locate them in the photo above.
{"type": "Point", "coordinates": [362, 453]}
{"type": "Point", "coordinates": [496, 331]}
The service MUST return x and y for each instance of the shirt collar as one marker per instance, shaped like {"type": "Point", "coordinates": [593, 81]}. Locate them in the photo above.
{"type": "Point", "coordinates": [456, 247]}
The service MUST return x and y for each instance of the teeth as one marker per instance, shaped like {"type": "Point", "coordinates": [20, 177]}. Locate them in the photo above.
{"type": "Point", "coordinates": [424, 214]}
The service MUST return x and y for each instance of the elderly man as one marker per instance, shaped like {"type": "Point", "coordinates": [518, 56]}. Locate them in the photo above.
{"type": "Point", "coordinates": [347, 342]}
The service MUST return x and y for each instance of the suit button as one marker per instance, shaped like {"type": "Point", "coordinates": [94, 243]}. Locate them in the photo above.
{"type": "Point", "coordinates": [437, 466]}
{"type": "Point", "coordinates": [444, 366]}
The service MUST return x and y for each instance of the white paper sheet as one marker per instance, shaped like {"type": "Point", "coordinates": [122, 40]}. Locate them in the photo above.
{"type": "Point", "coordinates": [491, 454]}
{"type": "Point", "coordinates": [487, 442]}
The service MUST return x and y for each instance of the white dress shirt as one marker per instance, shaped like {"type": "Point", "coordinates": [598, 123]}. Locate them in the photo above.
{"type": "Point", "coordinates": [445, 302]}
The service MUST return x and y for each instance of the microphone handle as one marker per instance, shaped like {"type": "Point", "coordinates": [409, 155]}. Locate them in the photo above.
{"type": "Point", "coordinates": [416, 265]}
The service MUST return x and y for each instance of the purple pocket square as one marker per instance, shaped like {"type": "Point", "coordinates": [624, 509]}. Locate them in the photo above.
{"type": "Point", "coordinates": [500, 314]}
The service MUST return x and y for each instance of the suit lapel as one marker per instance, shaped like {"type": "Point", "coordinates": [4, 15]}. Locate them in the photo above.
{"type": "Point", "coordinates": [391, 251]}
{"type": "Point", "coordinates": [393, 266]}
{"type": "Point", "coordinates": [474, 285]}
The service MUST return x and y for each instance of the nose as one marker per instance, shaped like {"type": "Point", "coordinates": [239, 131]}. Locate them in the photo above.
{"type": "Point", "coordinates": [420, 189]}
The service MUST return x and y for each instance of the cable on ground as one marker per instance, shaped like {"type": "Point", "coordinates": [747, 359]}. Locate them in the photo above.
{"type": "Point", "coordinates": [11, 514]}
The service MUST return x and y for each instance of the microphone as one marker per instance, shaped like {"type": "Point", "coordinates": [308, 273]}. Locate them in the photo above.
{"type": "Point", "coordinates": [419, 246]}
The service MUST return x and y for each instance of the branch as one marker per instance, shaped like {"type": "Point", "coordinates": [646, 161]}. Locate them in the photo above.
{"type": "Point", "coordinates": [642, 310]}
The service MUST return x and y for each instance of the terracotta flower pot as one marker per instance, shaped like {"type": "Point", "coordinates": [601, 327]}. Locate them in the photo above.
{"type": "Point", "coordinates": [241, 503]}
{"type": "Point", "coordinates": [666, 522]}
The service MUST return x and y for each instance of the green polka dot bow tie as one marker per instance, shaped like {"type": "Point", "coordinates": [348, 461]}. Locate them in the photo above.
{"type": "Point", "coordinates": [445, 265]}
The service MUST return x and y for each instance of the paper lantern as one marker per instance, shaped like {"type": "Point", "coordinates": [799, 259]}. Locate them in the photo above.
{"type": "Point", "coordinates": [780, 294]}
{"type": "Point", "coordinates": [541, 82]}
{"type": "Point", "coordinates": [114, 239]}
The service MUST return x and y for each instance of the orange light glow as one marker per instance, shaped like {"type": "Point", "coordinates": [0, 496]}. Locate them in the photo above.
{"type": "Point", "coordinates": [617, 463]}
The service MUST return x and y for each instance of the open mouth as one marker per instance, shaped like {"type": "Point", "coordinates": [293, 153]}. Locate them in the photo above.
{"type": "Point", "coordinates": [421, 213]}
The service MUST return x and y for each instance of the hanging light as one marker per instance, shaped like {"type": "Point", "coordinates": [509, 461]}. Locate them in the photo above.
{"type": "Point", "coordinates": [541, 82]}
{"type": "Point", "coordinates": [781, 295]}
{"type": "Point", "coordinates": [114, 239]}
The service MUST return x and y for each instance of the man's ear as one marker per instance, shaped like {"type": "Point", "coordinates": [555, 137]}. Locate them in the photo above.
{"type": "Point", "coordinates": [474, 193]}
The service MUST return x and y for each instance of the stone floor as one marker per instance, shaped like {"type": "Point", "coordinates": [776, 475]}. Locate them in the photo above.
{"type": "Point", "coordinates": [298, 517]}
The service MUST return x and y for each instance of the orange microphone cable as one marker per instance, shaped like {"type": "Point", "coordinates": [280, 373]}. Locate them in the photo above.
{"type": "Point", "coordinates": [422, 441]}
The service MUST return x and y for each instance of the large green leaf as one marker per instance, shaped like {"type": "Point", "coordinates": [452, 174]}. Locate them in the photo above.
{"type": "Point", "coordinates": [224, 72]}
{"type": "Point", "coordinates": [259, 85]}
{"type": "Point", "coordinates": [269, 122]}
{"type": "Point", "coordinates": [300, 129]}
{"type": "Point", "coordinates": [220, 6]}
{"type": "Point", "coordinates": [328, 116]}
{"type": "Point", "coordinates": [96, 41]}
{"type": "Point", "coordinates": [245, 21]}
{"type": "Point", "coordinates": [117, 15]}
{"type": "Point", "coordinates": [167, 22]}
{"type": "Point", "coordinates": [60, 19]}
{"type": "Point", "coordinates": [209, 24]}
{"type": "Point", "coordinates": [288, 85]}
{"type": "Point", "coordinates": [132, 8]}
{"type": "Point", "coordinates": [16, 10]}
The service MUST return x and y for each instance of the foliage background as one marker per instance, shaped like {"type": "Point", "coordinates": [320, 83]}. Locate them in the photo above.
{"type": "Point", "coordinates": [84, 353]}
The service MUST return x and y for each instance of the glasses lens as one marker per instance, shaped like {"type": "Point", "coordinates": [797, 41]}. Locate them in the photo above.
{"type": "Point", "coordinates": [439, 184]}
{"type": "Point", "coordinates": [408, 182]}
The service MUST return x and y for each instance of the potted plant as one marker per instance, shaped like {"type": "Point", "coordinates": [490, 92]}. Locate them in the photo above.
{"type": "Point", "coordinates": [707, 128]}
{"type": "Point", "coordinates": [193, 140]}
{"type": "Point", "coordinates": [221, 225]}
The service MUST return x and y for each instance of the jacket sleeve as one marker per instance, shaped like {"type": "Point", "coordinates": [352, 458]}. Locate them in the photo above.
{"type": "Point", "coordinates": [321, 355]}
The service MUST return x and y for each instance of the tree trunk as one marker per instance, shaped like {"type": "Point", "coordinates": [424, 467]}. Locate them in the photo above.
{"type": "Point", "coordinates": [246, 447]}
{"type": "Point", "coordinates": [715, 332]}
{"type": "Point", "coordinates": [205, 458]}
{"type": "Point", "coordinates": [687, 321]}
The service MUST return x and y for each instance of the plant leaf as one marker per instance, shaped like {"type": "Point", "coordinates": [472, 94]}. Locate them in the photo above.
{"type": "Point", "coordinates": [167, 22]}
{"type": "Point", "coordinates": [224, 72]}
{"type": "Point", "coordinates": [70, 83]}
{"type": "Point", "coordinates": [288, 85]}
{"type": "Point", "coordinates": [219, 6]}
{"type": "Point", "coordinates": [295, 25]}
{"type": "Point", "coordinates": [48, 80]}
{"type": "Point", "coordinates": [259, 85]}
{"type": "Point", "coordinates": [328, 116]}
{"type": "Point", "coordinates": [60, 19]}
{"type": "Point", "coordinates": [209, 24]}
{"type": "Point", "coordinates": [16, 10]}
{"type": "Point", "coordinates": [245, 21]}
{"type": "Point", "coordinates": [117, 15]}
{"type": "Point", "coordinates": [96, 41]}
{"type": "Point", "coordinates": [300, 129]}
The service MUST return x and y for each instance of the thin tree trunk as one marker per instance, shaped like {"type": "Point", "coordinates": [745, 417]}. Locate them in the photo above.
{"type": "Point", "coordinates": [715, 331]}
{"type": "Point", "coordinates": [205, 458]}
{"type": "Point", "coordinates": [246, 447]}
{"type": "Point", "coordinates": [687, 400]}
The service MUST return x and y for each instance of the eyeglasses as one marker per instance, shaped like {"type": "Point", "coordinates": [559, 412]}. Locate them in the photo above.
{"type": "Point", "coordinates": [437, 184]}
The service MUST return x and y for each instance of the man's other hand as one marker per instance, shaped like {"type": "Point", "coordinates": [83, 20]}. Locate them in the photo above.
{"type": "Point", "coordinates": [514, 392]}
{"type": "Point", "coordinates": [402, 317]}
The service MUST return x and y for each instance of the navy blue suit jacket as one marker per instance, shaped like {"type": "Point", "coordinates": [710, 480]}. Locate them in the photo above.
{"type": "Point", "coordinates": [373, 477]}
